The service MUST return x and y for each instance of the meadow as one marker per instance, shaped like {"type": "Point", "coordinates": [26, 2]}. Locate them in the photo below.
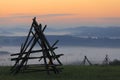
{"type": "Point", "coordinates": [70, 72]}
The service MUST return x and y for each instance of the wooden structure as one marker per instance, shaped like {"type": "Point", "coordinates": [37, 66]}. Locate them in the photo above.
{"type": "Point", "coordinates": [47, 58]}
{"type": "Point", "coordinates": [86, 61]}
{"type": "Point", "coordinates": [106, 60]}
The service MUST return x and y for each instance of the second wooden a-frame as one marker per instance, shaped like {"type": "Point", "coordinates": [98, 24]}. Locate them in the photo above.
{"type": "Point", "coordinates": [86, 61]}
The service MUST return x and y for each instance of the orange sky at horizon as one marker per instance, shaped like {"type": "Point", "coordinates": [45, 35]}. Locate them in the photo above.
{"type": "Point", "coordinates": [78, 9]}
{"type": "Point", "coordinates": [85, 8]}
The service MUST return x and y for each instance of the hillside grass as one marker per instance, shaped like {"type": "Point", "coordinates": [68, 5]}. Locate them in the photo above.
{"type": "Point", "coordinates": [70, 72]}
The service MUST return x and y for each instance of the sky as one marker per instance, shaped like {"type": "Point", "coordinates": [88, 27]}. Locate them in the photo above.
{"type": "Point", "coordinates": [59, 13]}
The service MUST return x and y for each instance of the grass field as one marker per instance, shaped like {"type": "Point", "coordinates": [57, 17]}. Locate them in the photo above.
{"type": "Point", "coordinates": [70, 72]}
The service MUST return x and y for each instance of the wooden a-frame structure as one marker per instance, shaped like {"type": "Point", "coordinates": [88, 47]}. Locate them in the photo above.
{"type": "Point", "coordinates": [106, 60]}
{"type": "Point", "coordinates": [85, 61]}
{"type": "Point", "coordinates": [47, 55]}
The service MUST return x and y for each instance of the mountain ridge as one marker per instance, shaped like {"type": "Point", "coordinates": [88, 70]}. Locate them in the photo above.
{"type": "Point", "coordinates": [64, 40]}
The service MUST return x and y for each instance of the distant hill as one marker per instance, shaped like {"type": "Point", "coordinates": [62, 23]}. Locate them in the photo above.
{"type": "Point", "coordinates": [81, 31]}
{"type": "Point", "coordinates": [64, 40]}
{"type": "Point", "coordinates": [91, 31]}
{"type": "Point", "coordinates": [98, 31]}
{"type": "Point", "coordinates": [4, 52]}
{"type": "Point", "coordinates": [76, 36]}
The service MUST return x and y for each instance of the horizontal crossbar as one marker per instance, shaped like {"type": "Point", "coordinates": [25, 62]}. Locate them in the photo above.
{"type": "Point", "coordinates": [56, 56]}
{"type": "Point", "coordinates": [34, 51]}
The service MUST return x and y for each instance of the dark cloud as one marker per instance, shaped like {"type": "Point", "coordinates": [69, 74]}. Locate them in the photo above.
{"type": "Point", "coordinates": [22, 17]}
{"type": "Point", "coordinates": [111, 18]}
{"type": "Point", "coordinates": [33, 15]}
{"type": "Point", "coordinates": [54, 15]}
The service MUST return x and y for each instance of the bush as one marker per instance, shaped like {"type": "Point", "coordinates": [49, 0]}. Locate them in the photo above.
{"type": "Point", "coordinates": [115, 62]}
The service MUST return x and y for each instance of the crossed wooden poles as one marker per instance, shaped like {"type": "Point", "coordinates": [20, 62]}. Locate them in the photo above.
{"type": "Point", "coordinates": [85, 60]}
{"type": "Point", "coordinates": [106, 60]}
{"type": "Point", "coordinates": [36, 37]}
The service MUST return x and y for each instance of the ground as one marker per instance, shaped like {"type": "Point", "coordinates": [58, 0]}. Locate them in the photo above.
{"type": "Point", "coordinates": [70, 72]}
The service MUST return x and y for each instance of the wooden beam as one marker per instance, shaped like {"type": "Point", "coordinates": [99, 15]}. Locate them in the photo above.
{"type": "Point", "coordinates": [57, 56]}
{"type": "Point", "coordinates": [55, 43]}
{"type": "Point", "coordinates": [44, 28]}
{"type": "Point", "coordinates": [34, 51]}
